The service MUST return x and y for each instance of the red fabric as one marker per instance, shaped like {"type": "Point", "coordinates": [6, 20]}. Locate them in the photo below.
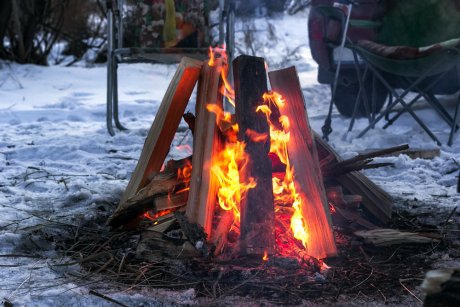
{"type": "Point", "coordinates": [398, 52]}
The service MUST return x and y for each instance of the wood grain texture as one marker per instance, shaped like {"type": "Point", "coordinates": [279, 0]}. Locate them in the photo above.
{"type": "Point", "coordinates": [304, 159]}
{"type": "Point", "coordinates": [162, 131]}
{"type": "Point", "coordinates": [164, 191]}
{"type": "Point", "coordinates": [257, 208]}
{"type": "Point", "coordinates": [206, 144]}
{"type": "Point", "coordinates": [378, 202]}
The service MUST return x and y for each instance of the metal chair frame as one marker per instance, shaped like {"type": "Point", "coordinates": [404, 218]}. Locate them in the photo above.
{"type": "Point", "coordinates": [413, 86]}
{"type": "Point", "coordinates": [118, 54]}
{"type": "Point", "coordinates": [363, 66]}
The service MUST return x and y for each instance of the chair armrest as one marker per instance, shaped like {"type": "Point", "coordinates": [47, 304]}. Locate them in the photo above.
{"type": "Point", "coordinates": [365, 24]}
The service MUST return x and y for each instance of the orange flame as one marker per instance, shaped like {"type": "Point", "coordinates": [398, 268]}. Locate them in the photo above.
{"type": "Point", "coordinates": [185, 173]}
{"type": "Point", "coordinates": [212, 57]}
{"type": "Point", "coordinates": [265, 257]}
{"type": "Point", "coordinates": [229, 162]}
{"type": "Point", "coordinates": [232, 159]}
{"type": "Point", "coordinates": [256, 136]}
{"type": "Point", "coordinates": [154, 216]}
{"type": "Point", "coordinates": [226, 89]}
{"type": "Point", "coordinates": [284, 190]}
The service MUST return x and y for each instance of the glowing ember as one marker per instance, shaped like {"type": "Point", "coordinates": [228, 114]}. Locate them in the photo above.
{"type": "Point", "coordinates": [184, 174]}
{"type": "Point", "coordinates": [265, 257]}
{"type": "Point", "coordinates": [154, 216]}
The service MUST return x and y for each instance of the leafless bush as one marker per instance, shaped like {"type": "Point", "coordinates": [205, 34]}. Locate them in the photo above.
{"type": "Point", "coordinates": [29, 29]}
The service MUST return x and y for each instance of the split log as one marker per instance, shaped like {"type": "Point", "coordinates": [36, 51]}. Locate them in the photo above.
{"type": "Point", "coordinates": [413, 153]}
{"type": "Point", "coordinates": [257, 208]}
{"type": "Point", "coordinates": [386, 237]}
{"type": "Point", "coordinates": [378, 202]}
{"type": "Point", "coordinates": [304, 160]}
{"type": "Point", "coordinates": [164, 127]}
{"type": "Point", "coordinates": [165, 191]}
{"type": "Point", "coordinates": [360, 162]}
{"type": "Point", "coordinates": [206, 145]}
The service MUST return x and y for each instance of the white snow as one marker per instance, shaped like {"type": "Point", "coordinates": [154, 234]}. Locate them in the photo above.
{"type": "Point", "coordinates": [59, 164]}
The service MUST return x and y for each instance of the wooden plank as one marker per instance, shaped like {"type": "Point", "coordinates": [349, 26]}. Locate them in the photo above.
{"type": "Point", "coordinates": [164, 191]}
{"type": "Point", "coordinates": [387, 237]}
{"type": "Point", "coordinates": [256, 208]}
{"type": "Point", "coordinates": [378, 202]}
{"type": "Point", "coordinates": [206, 144]}
{"type": "Point", "coordinates": [164, 127]}
{"type": "Point", "coordinates": [413, 153]}
{"type": "Point", "coordinates": [304, 159]}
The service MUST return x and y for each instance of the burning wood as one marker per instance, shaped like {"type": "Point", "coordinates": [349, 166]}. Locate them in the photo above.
{"type": "Point", "coordinates": [166, 190]}
{"type": "Point", "coordinates": [254, 174]}
{"type": "Point", "coordinates": [313, 214]}
{"type": "Point", "coordinates": [162, 132]}
{"type": "Point", "coordinates": [202, 199]}
{"type": "Point", "coordinates": [257, 208]}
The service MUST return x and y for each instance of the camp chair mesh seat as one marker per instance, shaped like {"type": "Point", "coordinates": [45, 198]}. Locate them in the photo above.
{"type": "Point", "coordinates": [161, 31]}
{"type": "Point", "coordinates": [406, 29]}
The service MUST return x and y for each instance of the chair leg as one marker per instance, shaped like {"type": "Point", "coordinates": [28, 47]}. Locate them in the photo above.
{"type": "Point", "coordinates": [412, 113]}
{"type": "Point", "coordinates": [438, 107]}
{"type": "Point", "coordinates": [390, 102]}
{"type": "Point", "coordinates": [358, 98]}
{"type": "Point", "coordinates": [391, 120]}
{"type": "Point", "coordinates": [454, 124]}
{"type": "Point", "coordinates": [109, 95]}
{"type": "Point", "coordinates": [115, 98]}
{"type": "Point", "coordinates": [456, 114]}
{"type": "Point", "coordinates": [399, 98]}
{"type": "Point", "coordinates": [110, 61]}
{"type": "Point", "coordinates": [360, 92]}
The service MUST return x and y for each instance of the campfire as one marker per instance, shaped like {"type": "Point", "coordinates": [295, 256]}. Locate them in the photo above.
{"type": "Point", "coordinates": [255, 185]}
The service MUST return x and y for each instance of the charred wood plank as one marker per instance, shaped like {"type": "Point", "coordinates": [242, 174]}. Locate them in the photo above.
{"type": "Point", "coordinates": [378, 202]}
{"type": "Point", "coordinates": [304, 160]}
{"type": "Point", "coordinates": [257, 208]}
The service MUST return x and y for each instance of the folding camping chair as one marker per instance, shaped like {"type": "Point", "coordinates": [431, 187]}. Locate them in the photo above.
{"type": "Point", "coordinates": [153, 37]}
{"type": "Point", "coordinates": [418, 51]}
{"type": "Point", "coordinates": [412, 75]}
{"type": "Point", "coordinates": [398, 59]}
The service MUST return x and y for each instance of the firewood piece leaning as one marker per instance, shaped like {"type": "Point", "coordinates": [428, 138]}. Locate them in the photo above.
{"type": "Point", "coordinates": [257, 208]}
{"type": "Point", "coordinates": [206, 144]}
{"type": "Point", "coordinates": [162, 131]}
{"type": "Point", "coordinates": [304, 159]}
{"type": "Point", "coordinates": [378, 202]}
{"type": "Point", "coordinates": [359, 162]}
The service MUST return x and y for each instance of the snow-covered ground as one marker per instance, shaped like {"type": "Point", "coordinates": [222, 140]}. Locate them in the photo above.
{"type": "Point", "coordinates": [59, 164]}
